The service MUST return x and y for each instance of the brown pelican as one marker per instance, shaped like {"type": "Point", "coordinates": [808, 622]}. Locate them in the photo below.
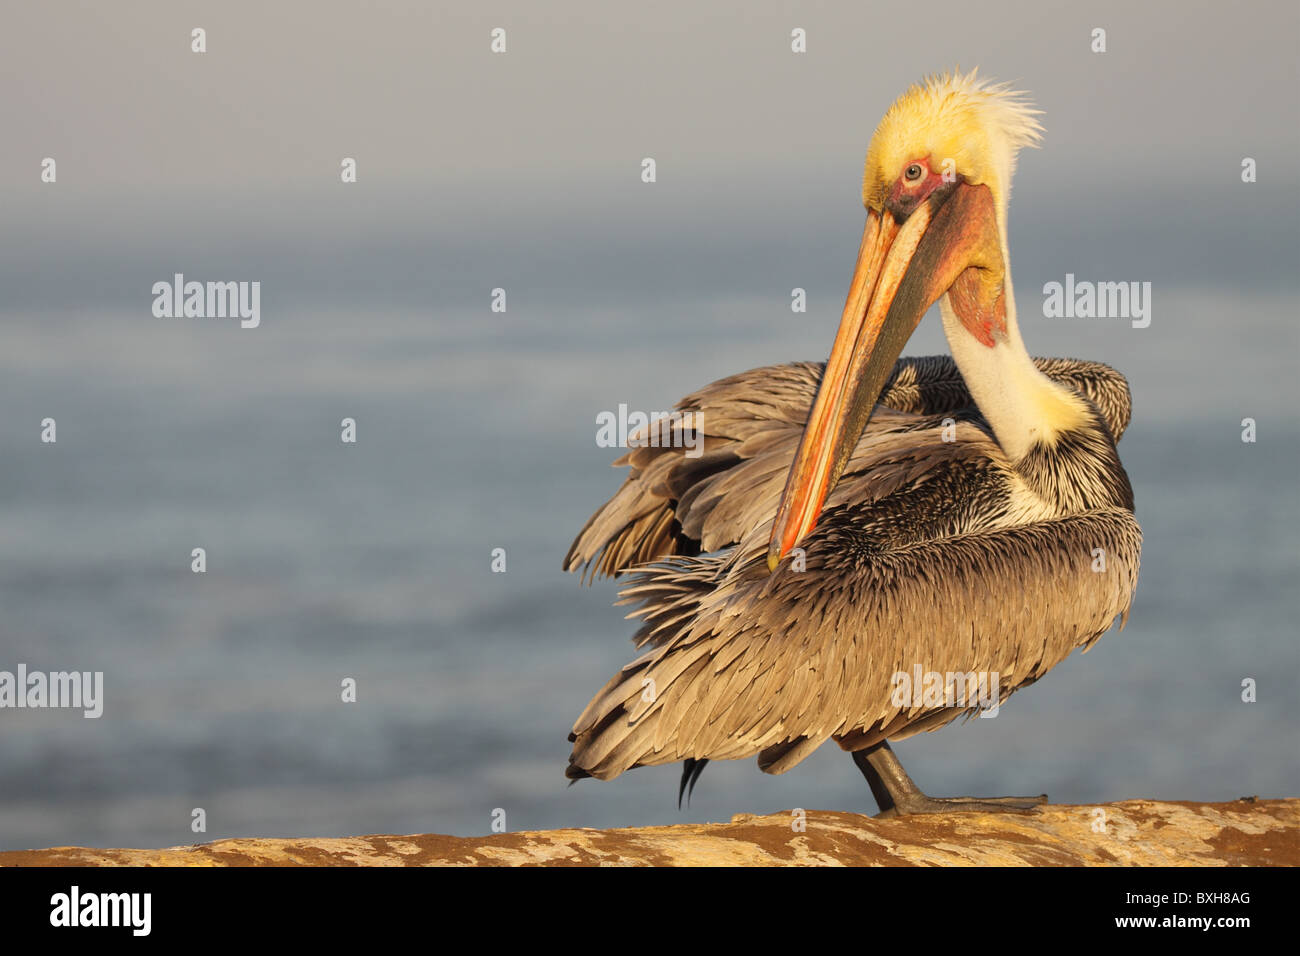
{"type": "Point", "coordinates": [823, 549]}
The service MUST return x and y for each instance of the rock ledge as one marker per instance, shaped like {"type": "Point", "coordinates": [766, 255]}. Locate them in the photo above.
{"type": "Point", "coordinates": [1247, 832]}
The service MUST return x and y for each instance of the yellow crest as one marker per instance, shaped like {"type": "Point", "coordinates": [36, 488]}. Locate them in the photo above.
{"type": "Point", "coordinates": [963, 124]}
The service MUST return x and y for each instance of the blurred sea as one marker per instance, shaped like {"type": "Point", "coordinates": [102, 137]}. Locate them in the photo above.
{"type": "Point", "coordinates": [371, 561]}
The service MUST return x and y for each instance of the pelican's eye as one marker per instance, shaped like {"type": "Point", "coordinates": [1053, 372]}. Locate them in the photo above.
{"type": "Point", "coordinates": [913, 172]}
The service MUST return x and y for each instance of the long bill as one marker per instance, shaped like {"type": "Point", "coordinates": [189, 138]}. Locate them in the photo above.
{"type": "Point", "coordinates": [902, 269]}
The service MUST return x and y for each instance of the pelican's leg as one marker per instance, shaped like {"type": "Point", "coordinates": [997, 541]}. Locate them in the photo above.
{"type": "Point", "coordinates": [897, 794]}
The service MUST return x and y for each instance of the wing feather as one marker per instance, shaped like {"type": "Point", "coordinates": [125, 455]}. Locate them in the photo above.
{"type": "Point", "coordinates": [750, 425]}
{"type": "Point", "coordinates": [812, 655]}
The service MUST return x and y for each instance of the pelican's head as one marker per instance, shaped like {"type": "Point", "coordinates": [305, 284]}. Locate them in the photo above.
{"type": "Point", "coordinates": [969, 128]}
{"type": "Point", "coordinates": [935, 185]}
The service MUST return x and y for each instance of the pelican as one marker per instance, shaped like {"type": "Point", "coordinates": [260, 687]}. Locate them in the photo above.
{"type": "Point", "coordinates": [851, 524]}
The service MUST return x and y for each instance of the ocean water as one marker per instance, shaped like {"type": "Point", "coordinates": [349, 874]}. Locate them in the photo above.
{"type": "Point", "coordinates": [372, 561]}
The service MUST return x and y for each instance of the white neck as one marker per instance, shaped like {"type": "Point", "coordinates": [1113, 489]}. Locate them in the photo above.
{"type": "Point", "coordinates": [1021, 404]}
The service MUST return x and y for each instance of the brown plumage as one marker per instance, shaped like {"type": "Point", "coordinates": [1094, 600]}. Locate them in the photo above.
{"type": "Point", "coordinates": [920, 557]}
{"type": "Point", "coordinates": [672, 504]}
{"type": "Point", "coordinates": [849, 525]}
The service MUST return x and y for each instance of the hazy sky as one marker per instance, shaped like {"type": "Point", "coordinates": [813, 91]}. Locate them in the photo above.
{"type": "Point", "coordinates": [522, 169]}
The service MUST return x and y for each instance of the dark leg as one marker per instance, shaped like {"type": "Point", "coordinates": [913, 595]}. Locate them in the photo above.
{"type": "Point", "coordinates": [897, 794]}
{"type": "Point", "coordinates": [878, 789]}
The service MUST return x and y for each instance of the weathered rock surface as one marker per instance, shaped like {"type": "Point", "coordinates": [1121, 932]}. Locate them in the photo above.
{"type": "Point", "coordinates": [1245, 832]}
